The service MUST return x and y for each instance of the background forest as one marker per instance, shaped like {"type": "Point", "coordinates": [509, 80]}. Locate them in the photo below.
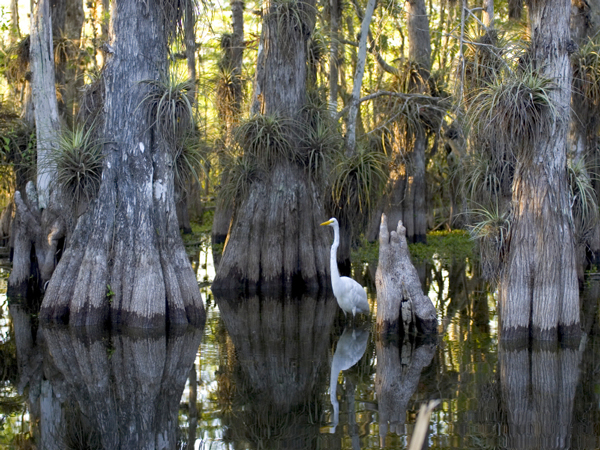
{"type": "Point", "coordinates": [417, 109]}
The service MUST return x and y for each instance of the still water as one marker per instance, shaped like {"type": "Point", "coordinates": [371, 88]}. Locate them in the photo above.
{"type": "Point", "coordinates": [271, 373]}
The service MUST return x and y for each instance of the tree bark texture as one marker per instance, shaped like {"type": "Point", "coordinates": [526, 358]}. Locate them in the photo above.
{"type": "Point", "coordinates": [401, 304]}
{"type": "Point", "coordinates": [44, 98]}
{"type": "Point", "coordinates": [275, 240]}
{"type": "Point", "coordinates": [37, 227]}
{"type": "Point", "coordinates": [537, 392]}
{"type": "Point", "coordinates": [335, 14]}
{"type": "Point", "coordinates": [539, 292]}
{"type": "Point", "coordinates": [129, 389]}
{"type": "Point", "coordinates": [126, 262]}
{"type": "Point", "coordinates": [36, 237]}
{"type": "Point", "coordinates": [358, 78]}
{"type": "Point", "coordinates": [487, 14]}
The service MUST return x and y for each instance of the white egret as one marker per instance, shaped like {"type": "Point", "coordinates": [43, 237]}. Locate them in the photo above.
{"type": "Point", "coordinates": [350, 295]}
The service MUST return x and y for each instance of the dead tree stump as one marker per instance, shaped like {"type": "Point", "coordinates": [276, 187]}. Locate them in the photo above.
{"type": "Point", "coordinates": [401, 305]}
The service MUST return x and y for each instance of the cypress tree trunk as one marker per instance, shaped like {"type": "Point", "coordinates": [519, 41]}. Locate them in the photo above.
{"type": "Point", "coordinates": [126, 262]}
{"type": "Point", "coordinates": [37, 225]}
{"type": "Point", "coordinates": [539, 286]}
{"type": "Point", "coordinates": [407, 198]}
{"type": "Point", "coordinates": [275, 240]}
{"type": "Point", "coordinates": [229, 114]}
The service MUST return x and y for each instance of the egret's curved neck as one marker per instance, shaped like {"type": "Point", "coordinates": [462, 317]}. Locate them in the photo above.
{"type": "Point", "coordinates": [335, 274]}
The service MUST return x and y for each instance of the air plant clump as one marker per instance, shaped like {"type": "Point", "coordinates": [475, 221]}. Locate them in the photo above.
{"type": "Point", "coordinates": [356, 178]}
{"type": "Point", "coordinates": [320, 139]}
{"type": "Point", "coordinates": [292, 20]}
{"type": "Point", "coordinates": [490, 230]}
{"type": "Point", "coordinates": [169, 105]}
{"type": "Point", "coordinates": [78, 162]}
{"type": "Point", "coordinates": [240, 176]}
{"type": "Point", "coordinates": [514, 110]}
{"type": "Point", "coordinates": [228, 92]}
{"type": "Point", "coordinates": [191, 159]}
{"type": "Point", "coordinates": [267, 140]}
{"type": "Point", "coordinates": [483, 60]}
{"type": "Point", "coordinates": [584, 203]}
{"type": "Point", "coordinates": [586, 81]}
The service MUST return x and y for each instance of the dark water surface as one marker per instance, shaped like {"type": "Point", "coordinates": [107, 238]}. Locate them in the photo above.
{"type": "Point", "coordinates": [271, 373]}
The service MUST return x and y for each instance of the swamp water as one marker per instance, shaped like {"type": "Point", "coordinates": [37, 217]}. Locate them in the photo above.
{"type": "Point", "coordinates": [267, 373]}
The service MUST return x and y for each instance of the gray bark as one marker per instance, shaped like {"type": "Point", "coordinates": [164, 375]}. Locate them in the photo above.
{"type": "Point", "coordinates": [33, 226]}
{"type": "Point", "coordinates": [334, 59]}
{"type": "Point", "coordinates": [15, 29]}
{"type": "Point", "coordinates": [274, 240]}
{"type": "Point", "coordinates": [401, 304]}
{"type": "Point", "coordinates": [44, 98]}
{"type": "Point", "coordinates": [358, 78]}
{"type": "Point", "coordinates": [539, 285]}
{"type": "Point", "coordinates": [126, 262]}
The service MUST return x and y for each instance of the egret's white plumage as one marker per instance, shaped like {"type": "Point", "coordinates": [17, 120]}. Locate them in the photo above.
{"type": "Point", "coordinates": [350, 295]}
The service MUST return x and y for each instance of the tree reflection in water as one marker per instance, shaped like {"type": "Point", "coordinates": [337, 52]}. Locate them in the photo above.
{"type": "Point", "coordinates": [105, 391]}
{"type": "Point", "coordinates": [268, 372]}
{"type": "Point", "coordinates": [282, 354]}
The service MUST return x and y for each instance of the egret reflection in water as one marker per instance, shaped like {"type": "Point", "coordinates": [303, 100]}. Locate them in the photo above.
{"type": "Point", "coordinates": [350, 349]}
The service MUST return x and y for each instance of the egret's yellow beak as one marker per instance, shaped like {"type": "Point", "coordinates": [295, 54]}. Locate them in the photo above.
{"type": "Point", "coordinates": [329, 222]}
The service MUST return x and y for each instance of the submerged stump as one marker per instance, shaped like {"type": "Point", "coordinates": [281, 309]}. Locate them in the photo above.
{"type": "Point", "coordinates": [401, 305]}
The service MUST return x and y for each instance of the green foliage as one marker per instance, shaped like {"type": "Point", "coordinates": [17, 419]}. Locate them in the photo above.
{"type": "Point", "coordinates": [78, 162]}
{"type": "Point", "coordinates": [267, 139]}
{"type": "Point", "coordinates": [443, 246]}
{"type": "Point", "coordinates": [584, 203]}
{"type": "Point", "coordinates": [356, 178]}
{"type": "Point", "coordinates": [191, 159]}
{"type": "Point", "coordinates": [366, 252]}
{"type": "Point", "coordinates": [320, 140]}
{"type": "Point", "coordinates": [169, 104]}
{"type": "Point", "coordinates": [514, 109]}
{"type": "Point", "coordinates": [586, 76]}
{"type": "Point", "coordinates": [490, 230]}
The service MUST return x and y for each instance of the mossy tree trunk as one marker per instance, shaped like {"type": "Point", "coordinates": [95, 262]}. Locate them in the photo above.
{"type": "Point", "coordinates": [539, 292]}
{"type": "Point", "coordinates": [126, 262]}
{"type": "Point", "coordinates": [275, 240]}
